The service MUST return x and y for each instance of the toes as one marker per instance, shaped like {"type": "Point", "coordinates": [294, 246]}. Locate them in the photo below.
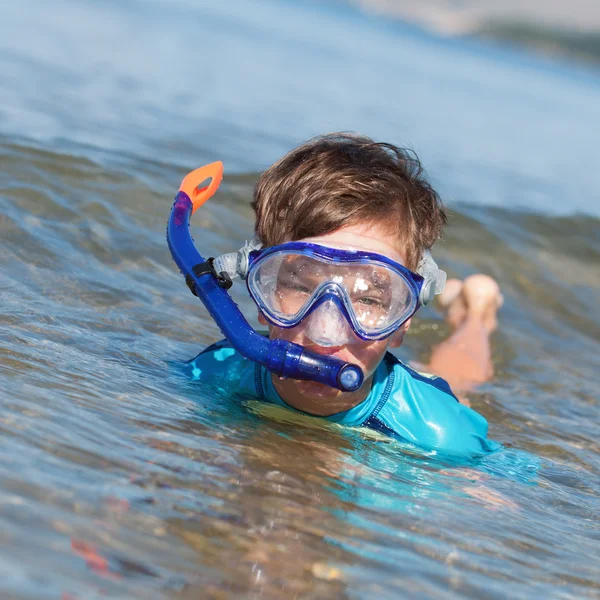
{"type": "Point", "coordinates": [483, 298]}
{"type": "Point", "coordinates": [477, 296]}
{"type": "Point", "coordinates": [481, 290]}
{"type": "Point", "coordinates": [451, 291]}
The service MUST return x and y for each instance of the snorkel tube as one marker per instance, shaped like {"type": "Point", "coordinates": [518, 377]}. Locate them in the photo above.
{"type": "Point", "coordinates": [285, 359]}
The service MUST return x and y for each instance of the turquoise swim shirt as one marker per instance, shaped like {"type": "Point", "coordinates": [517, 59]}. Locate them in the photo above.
{"type": "Point", "coordinates": [417, 409]}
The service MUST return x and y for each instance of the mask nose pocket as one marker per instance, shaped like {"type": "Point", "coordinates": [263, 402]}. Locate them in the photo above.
{"type": "Point", "coordinates": [327, 326]}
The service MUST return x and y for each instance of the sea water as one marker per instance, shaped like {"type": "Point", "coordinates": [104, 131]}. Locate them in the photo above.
{"type": "Point", "coordinates": [121, 479]}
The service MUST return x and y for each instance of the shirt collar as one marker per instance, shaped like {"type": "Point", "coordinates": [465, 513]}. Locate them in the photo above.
{"type": "Point", "coordinates": [354, 416]}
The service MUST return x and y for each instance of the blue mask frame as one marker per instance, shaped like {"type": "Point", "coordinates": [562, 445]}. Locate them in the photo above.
{"type": "Point", "coordinates": [335, 292]}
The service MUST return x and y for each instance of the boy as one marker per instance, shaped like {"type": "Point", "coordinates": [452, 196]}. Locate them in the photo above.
{"type": "Point", "coordinates": [337, 195]}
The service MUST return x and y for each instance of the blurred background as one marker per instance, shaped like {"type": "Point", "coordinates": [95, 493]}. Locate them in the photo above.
{"type": "Point", "coordinates": [182, 82]}
{"type": "Point", "coordinates": [549, 26]}
{"type": "Point", "coordinates": [118, 478]}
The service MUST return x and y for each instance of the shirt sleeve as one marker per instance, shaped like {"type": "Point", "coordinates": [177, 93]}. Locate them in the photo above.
{"type": "Point", "coordinates": [218, 365]}
{"type": "Point", "coordinates": [423, 411]}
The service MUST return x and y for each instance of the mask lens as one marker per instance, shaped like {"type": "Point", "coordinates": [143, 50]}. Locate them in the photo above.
{"type": "Point", "coordinates": [287, 284]}
{"type": "Point", "coordinates": [283, 283]}
{"type": "Point", "coordinates": [379, 296]}
{"type": "Point", "coordinates": [297, 279]}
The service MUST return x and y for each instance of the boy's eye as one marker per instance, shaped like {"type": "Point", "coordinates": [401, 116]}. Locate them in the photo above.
{"type": "Point", "coordinates": [295, 287]}
{"type": "Point", "coordinates": [370, 301]}
{"type": "Point", "coordinates": [292, 285]}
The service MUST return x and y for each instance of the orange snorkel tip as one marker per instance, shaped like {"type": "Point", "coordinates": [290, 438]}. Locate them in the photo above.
{"type": "Point", "coordinates": [192, 181]}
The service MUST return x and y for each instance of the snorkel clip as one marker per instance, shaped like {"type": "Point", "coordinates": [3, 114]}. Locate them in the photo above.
{"type": "Point", "coordinates": [208, 268]}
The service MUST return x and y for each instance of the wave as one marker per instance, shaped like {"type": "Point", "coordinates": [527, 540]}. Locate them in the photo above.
{"type": "Point", "coordinates": [572, 30]}
{"type": "Point", "coordinates": [584, 45]}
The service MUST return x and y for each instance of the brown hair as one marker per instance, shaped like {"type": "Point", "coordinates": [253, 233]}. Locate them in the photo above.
{"type": "Point", "coordinates": [342, 179]}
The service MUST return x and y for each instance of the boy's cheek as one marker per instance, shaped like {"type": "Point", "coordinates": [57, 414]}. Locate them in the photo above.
{"type": "Point", "coordinates": [397, 338]}
{"type": "Point", "coordinates": [369, 355]}
{"type": "Point", "coordinates": [278, 333]}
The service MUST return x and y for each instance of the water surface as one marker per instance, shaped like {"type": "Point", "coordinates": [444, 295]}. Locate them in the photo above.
{"type": "Point", "coordinates": [118, 478]}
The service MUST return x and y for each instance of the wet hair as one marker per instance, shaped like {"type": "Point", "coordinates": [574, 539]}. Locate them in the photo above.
{"type": "Point", "coordinates": [341, 179]}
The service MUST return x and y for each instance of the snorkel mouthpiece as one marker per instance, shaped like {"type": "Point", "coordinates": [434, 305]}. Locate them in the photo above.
{"type": "Point", "coordinates": [285, 359]}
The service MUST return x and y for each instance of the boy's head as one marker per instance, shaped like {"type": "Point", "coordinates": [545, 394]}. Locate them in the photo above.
{"type": "Point", "coordinates": [341, 179]}
{"type": "Point", "coordinates": [346, 191]}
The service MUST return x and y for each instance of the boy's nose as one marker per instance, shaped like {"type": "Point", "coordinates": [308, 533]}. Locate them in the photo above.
{"type": "Point", "coordinates": [328, 327]}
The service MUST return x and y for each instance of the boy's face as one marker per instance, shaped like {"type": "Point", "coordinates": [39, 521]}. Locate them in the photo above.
{"type": "Point", "coordinates": [319, 399]}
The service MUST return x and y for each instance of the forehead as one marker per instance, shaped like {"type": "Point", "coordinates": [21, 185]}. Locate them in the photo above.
{"type": "Point", "coordinates": [371, 238]}
{"type": "Point", "coordinates": [299, 265]}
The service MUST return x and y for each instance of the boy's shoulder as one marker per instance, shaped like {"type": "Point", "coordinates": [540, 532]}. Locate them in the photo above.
{"type": "Point", "coordinates": [222, 366]}
{"type": "Point", "coordinates": [421, 409]}
{"type": "Point", "coordinates": [414, 407]}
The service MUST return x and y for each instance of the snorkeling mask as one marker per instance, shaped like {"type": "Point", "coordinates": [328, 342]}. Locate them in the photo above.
{"type": "Point", "coordinates": [342, 295]}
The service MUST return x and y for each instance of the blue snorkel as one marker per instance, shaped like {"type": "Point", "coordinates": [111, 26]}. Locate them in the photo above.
{"type": "Point", "coordinates": [285, 359]}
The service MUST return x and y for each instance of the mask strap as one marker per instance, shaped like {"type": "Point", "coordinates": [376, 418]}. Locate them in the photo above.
{"type": "Point", "coordinates": [435, 278]}
{"type": "Point", "coordinates": [235, 264]}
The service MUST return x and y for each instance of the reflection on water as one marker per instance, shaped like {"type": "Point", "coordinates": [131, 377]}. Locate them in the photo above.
{"type": "Point", "coordinates": [119, 478]}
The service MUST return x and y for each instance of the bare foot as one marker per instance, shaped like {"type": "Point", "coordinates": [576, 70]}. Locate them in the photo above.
{"type": "Point", "coordinates": [478, 298]}
{"type": "Point", "coordinates": [464, 359]}
{"type": "Point", "coordinates": [451, 299]}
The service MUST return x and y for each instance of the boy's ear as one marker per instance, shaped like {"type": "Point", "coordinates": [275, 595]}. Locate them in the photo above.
{"type": "Point", "coordinates": [261, 319]}
{"type": "Point", "coordinates": [398, 336]}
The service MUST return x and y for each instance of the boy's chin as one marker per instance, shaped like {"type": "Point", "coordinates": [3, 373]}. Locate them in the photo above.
{"type": "Point", "coordinates": [312, 389]}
